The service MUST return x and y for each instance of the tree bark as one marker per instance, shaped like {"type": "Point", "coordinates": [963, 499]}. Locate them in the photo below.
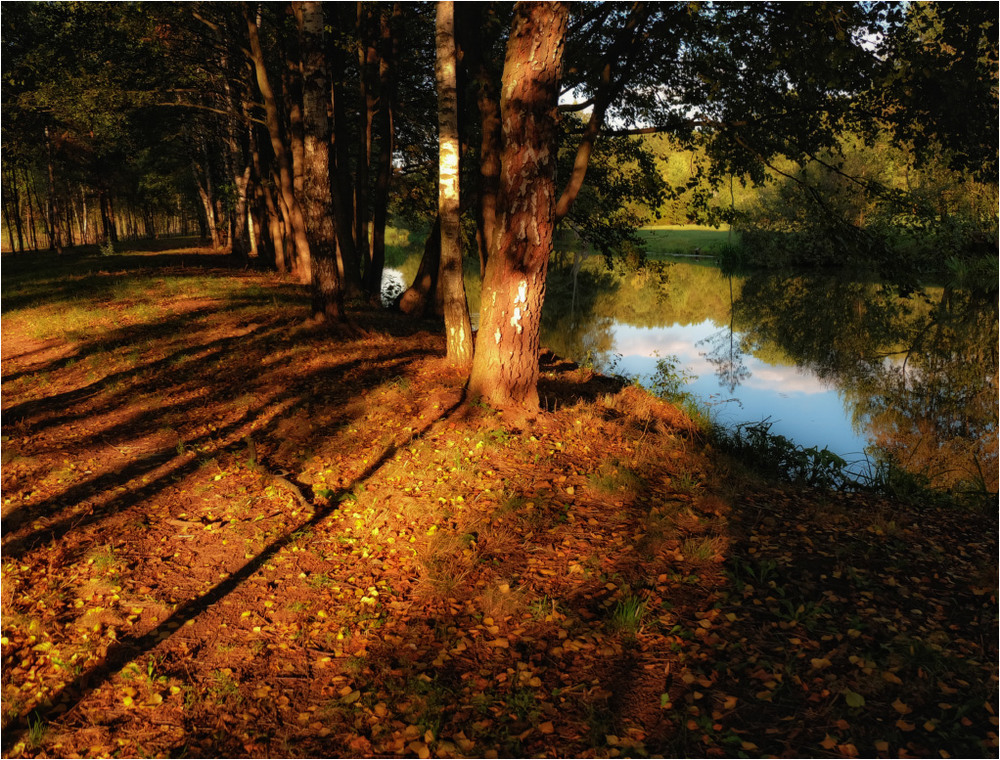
{"type": "Point", "coordinates": [367, 77]}
{"type": "Point", "coordinates": [386, 137]}
{"type": "Point", "coordinates": [327, 297]}
{"type": "Point", "coordinates": [488, 104]}
{"type": "Point", "coordinates": [458, 327]}
{"type": "Point", "coordinates": [505, 368]}
{"type": "Point", "coordinates": [294, 218]}
{"type": "Point", "coordinates": [417, 298]}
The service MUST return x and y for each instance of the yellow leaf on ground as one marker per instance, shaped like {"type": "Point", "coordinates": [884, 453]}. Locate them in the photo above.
{"type": "Point", "coordinates": [828, 743]}
{"type": "Point", "coordinates": [421, 749]}
{"type": "Point", "coordinates": [901, 707]}
{"type": "Point", "coordinates": [882, 746]}
{"type": "Point", "coordinates": [902, 725]}
{"type": "Point", "coordinates": [546, 727]}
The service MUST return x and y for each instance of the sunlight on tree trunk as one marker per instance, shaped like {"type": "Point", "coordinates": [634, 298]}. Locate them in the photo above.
{"type": "Point", "coordinates": [505, 368]}
{"type": "Point", "coordinates": [456, 309]}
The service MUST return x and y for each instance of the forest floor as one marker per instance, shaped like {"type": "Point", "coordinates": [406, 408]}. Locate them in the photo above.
{"type": "Point", "coordinates": [226, 533]}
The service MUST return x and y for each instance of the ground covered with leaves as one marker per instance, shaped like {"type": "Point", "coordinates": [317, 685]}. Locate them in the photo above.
{"type": "Point", "coordinates": [226, 533]}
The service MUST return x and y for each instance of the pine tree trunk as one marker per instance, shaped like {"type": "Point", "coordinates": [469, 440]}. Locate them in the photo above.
{"type": "Point", "coordinates": [52, 205]}
{"type": "Point", "coordinates": [386, 136]}
{"type": "Point", "coordinates": [419, 297]}
{"type": "Point", "coordinates": [488, 105]}
{"type": "Point", "coordinates": [505, 368]}
{"type": "Point", "coordinates": [367, 63]}
{"type": "Point", "coordinates": [317, 201]}
{"type": "Point", "coordinates": [294, 217]}
{"type": "Point", "coordinates": [456, 310]}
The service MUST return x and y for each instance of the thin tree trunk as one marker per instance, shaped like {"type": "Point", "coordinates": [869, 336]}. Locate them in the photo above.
{"type": "Point", "coordinates": [16, 202]}
{"type": "Point", "coordinates": [384, 125]}
{"type": "Point", "coordinates": [9, 220]}
{"type": "Point", "coordinates": [505, 368]}
{"type": "Point", "coordinates": [342, 186]}
{"type": "Point", "coordinates": [294, 218]}
{"type": "Point", "coordinates": [488, 104]}
{"type": "Point", "coordinates": [203, 181]}
{"type": "Point", "coordinates": [30, 194]}
{"type": "Point", "coordinates": [458, 327]}
{"type": "Point", "coordinates": [13, 200]}
{"type": "Point", "coordinates": [52, 204]}
{"type": "Point", "coordinates": [367, 62]}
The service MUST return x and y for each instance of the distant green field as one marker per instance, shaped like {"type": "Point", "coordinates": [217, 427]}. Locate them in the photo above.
{"type": "Point", "coordinates": [673, 239]}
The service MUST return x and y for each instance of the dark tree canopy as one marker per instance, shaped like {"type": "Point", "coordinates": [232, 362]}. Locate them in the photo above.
{"type": "Point", "coordinates": [164, 118]}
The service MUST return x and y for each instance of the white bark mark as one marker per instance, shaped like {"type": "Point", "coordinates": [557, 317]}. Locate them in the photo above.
{"type": "Point", "coordinates": [515, 321]}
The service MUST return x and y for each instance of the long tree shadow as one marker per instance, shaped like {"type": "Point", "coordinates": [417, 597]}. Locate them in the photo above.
{"type": "Point", "coordinates": [167, 464]}
{"type": "Point", "coordinates": [128, 649]}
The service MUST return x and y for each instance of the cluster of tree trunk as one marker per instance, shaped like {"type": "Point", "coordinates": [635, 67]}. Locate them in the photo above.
{"type": "Point", "coordinates": [292, 123]}
{"type": "Point", "coordinates": [54, 214]}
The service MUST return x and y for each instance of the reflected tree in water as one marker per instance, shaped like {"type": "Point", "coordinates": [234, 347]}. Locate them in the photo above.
{"type": "Point", "coordinates": [918, 372]}
{"type": "Point", "coordinates": [727, 352]}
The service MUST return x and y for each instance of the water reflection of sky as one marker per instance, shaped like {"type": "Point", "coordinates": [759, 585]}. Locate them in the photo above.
{"type": "Point", "coordinates": [800, 405]}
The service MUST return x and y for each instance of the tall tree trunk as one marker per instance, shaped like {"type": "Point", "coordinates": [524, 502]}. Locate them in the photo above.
{"type": "Point", "coordinates": [203, 181]}
{"type": "Point", "coordinates": [386, 136]}
{"type": "Point", "coordinates": [327, 297]}
{"type": "Point", "coordinates": [342, 186]}
{"type": "Point", "coordinates": [505, 368]}
{"type": "Point", "coordinates": [367, 75]}
{"type": "Point", "coordinates": [8, 218]}
{"type": "Point", "coordinates": [488, 104]}
{"type": "Point", "coordinates": [31, 196]}
{"type": "Point", "coordinates": [457, 326]}
{"type": "Point", "coordinates": [12, 196]}
{"type": "Point", "coordinates": [294, 217]}
{"type": "Point", "coordinates": [52, 205]}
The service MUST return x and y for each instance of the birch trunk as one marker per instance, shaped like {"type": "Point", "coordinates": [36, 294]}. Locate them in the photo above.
{"type": "Point", "coordinates": [457, 326]}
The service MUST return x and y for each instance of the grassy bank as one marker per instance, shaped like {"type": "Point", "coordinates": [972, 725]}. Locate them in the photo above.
{"type": "Point", "coordinates": [226, 534]}
{"type": "Point", "coordinates": [663, 241]}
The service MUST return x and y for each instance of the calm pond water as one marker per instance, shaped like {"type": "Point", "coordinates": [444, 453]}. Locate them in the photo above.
{"type": "Point", "coordinates": [852, 365]}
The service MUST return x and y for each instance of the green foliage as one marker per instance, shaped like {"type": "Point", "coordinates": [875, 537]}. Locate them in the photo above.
{"type": "Point", "coordinates": [627, 615]}
{"type": "Point", "coordinates": [868, 204]}
{"type": "Point", "coordinates": [669, 380]}
{"type": "Point", "coordinates": [777, 457]}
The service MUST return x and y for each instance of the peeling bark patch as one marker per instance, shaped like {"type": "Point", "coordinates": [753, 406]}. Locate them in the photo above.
{"type": "Point", "coordinates": [496, 336]}
{"type": "Point", "coordinates": [522, 292]}
{"type": "Point", "coordinates": [515, 321]}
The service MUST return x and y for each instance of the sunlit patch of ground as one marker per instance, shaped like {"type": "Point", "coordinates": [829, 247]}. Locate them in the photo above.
{"type": "Point", "coordinates": [228, 535]}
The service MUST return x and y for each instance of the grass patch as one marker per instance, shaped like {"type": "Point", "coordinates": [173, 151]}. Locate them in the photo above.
{"type": "Point", "coordinates": [663, 241]}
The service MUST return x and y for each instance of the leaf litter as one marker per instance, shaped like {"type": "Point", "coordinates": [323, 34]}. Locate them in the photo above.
{"type": "Point", "coordinates": [249, 538]}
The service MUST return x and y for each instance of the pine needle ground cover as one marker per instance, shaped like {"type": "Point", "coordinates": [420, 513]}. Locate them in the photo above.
{"type": "Point", "coordinates": [229, 534]}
